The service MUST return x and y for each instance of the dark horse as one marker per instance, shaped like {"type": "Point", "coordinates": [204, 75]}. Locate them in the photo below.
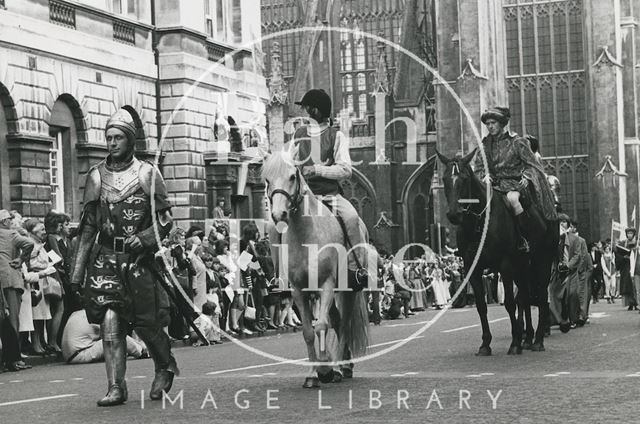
{"type": "Point", "coordinates": [467, 207]}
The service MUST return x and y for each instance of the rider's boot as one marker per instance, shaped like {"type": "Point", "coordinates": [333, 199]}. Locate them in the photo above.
{"type": "Point", "coordinates": [523, 244]}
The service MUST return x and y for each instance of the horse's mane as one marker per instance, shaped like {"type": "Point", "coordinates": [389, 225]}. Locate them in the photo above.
{"type": "Point", "coordinates": [277, 165]}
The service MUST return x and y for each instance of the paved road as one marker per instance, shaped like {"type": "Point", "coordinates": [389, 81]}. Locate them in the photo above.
{"type": "Point", "coordinates": [590, 375]}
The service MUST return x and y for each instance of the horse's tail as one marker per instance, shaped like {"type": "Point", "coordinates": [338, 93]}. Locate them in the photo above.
{"type": "Point", "coordinates": [354, 323]}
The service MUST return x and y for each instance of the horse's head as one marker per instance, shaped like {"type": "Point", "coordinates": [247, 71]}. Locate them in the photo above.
{"type": "Point", "coordinates": [457, 177]}
{"type": "Point", "coordinates": [284, 185]}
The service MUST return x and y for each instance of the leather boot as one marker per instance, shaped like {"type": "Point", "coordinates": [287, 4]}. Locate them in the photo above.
{"type": "Point", "coordinates": [161, 384]}
{"type": "Point", "coordinates": [115, 355]}
{"type": "Point", "coordinates": [166, 367]}
{"type": "Point", "coordinates": [521, 230]}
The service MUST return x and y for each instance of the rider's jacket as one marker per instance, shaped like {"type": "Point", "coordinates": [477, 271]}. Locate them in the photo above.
{"type": "Point", "coordinates": [334, 163]}
{"type": "Point", "coordinates": [510, 159]}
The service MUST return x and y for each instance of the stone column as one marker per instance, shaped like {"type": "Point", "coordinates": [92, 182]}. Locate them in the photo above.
{"type": "Point", "coordinates": [607, 106]}
{"type": "Point", "coordinates": [278, 98]}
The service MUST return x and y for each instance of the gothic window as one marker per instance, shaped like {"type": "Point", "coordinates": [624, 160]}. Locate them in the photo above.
{"type": "Point", "coordinates": [547, 92]}
{"type": "Point", "coordinates": [362, 106]}
{"type": "Point", "coordinates": [513, 47]}
{"type": "Point", "coordinates": [362, 82]}
{"type": "Point", "coordinates": [528, 41]}
{"type": "Point", "coordinates": [360, 55]}
{"type": "Point", "coordinates": [575, 40]}
{"type": "Point", "coordinates": [547, 135]}
{"type": "Point", "coordinates": [562, 118]}
{"type": "Point", "coordinates": [560, 40]}
{"type": "Point", "coordinates": [544, 38]}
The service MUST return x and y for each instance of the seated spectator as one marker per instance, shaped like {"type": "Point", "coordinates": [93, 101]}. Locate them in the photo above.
{"type": "Point", "coordinates": [208, 322]}
{"type": "Point", "coordinates": [82, 344]}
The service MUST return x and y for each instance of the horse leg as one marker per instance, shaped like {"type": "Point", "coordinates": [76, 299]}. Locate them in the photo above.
{"type": "Point", "coordinates": [325, 373]}
{"type": "Point", "coordinates": [335, 316]}
{"type": "Point", "coordinates": [528, 338]}
{"type": "Point", "coordinates": [481, 306]}
{"type": "Point", "coordinates": [543, 304]}
{"type": "Point", "coordinates": [306, 317]}
{"type": "Point", "coordinates": [510, 306]}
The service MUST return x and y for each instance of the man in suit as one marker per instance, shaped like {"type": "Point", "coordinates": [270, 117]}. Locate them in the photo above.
{"type": "Point", "coordinates": [580, 292]}
{"type": "Point", "coordinates": [597, 279]}
{"type": "Point", "coordinates": [563, 275]}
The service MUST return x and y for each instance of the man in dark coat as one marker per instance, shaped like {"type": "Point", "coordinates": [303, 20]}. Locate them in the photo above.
{"type": "Point", "coordinates": [564, 275]}
{"type": "Point", "coordinates": [624, 253]}
{"type": "Point", "coordinates": [583, 286]}
{"type": "Point", "coordinates": [597, 278]}
{"type": "Point", "coordinates": [116, 247]}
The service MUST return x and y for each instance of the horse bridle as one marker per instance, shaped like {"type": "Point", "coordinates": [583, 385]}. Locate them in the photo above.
{"type": "Point", "coordinates": [466, 210]}
{"type": "Point", "coordinates": [295, 199]}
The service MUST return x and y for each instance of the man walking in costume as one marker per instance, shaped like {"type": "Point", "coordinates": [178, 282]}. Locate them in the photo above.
{"type": "Point", "coordinates": [514, 170]}
{"type": "Point", "coordinates": [116, 247]}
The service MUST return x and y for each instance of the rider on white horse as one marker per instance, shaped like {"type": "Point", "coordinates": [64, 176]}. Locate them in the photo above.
{"type": "Point", "coordinates": [324, 173]}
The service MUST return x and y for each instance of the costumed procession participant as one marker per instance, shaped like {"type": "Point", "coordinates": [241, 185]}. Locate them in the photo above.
{"type": "Point", "coordinates": [513, 169]}
{"type": "Point", "coordinates": [564, 275]}
{"type": "Point", "coordinates": [627, 263]}
{"type": "Point", "coordinates": [116, 247]}
{"type": "Point", "coordinates": [324, 178]}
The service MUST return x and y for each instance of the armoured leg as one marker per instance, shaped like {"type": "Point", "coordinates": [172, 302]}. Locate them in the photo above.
{"type": "Point", "coordinates": [115, 356]}
{"type": "Point", "coordinates": [165, 364]}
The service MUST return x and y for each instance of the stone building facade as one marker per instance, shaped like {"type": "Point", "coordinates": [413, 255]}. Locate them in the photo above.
{"type": "Point", "coordinates": [66, 66]}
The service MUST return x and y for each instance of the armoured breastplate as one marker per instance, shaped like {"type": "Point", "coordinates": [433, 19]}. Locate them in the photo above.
{"type": "Point", "coordinates": [116, 186]}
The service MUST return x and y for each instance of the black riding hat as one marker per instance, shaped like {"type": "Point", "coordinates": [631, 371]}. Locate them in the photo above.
{"type": "Point", "coordinates": [317, 98]}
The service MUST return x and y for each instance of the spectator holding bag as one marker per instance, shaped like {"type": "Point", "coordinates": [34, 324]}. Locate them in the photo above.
{"type": "Point", "coordinates": [40, 274]}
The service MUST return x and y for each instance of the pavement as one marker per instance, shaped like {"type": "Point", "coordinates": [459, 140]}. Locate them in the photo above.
{"type": "Point", "coordinates": [589, 375]}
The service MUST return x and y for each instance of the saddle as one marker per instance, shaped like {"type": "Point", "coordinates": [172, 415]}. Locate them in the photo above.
{"type": "Point", "coordinates": [357, 280]}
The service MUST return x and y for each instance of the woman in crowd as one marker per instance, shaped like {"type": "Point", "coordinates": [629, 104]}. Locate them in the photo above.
{"type": "Point", "coordinates": [57, 228]}
{"type": "Point", "coordinates": [40, 276]}
{"type": "Point", "coordinates": [254, 275]}
{"type": "Point", "coordinates": [607, 261]}
{"type": "Point", "coordinates": [199, 275]}
{"type": "Point", "coordinates": [236, 306]}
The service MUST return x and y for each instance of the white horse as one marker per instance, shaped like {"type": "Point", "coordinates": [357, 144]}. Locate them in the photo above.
{"type": "Point", "coordinates": [344, 311]}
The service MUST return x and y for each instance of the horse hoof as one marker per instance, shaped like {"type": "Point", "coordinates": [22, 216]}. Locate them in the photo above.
{"type": "Point", "coordinates": [484, 351]}
{"type": "Point", "coordinates": [337, 377]}
{"type": "Point", "coordinates": [514, 350]}
{"type": "Point", "coordinates": [527, 345]}
{"type": "Point", "coordinates": [311, 383]}
{"type": "Point", "coordinates": [347, 372]}
{"type": "Point", "coordinates": [326, 377]}
{"type": "Point", "coordinates": [565, 327]}
{"type": "Point", "coordinates": [537, 347]}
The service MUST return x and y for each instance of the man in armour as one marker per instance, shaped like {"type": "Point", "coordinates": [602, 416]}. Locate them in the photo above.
{"type": "Point", "coordinates": [117, 242]}
{"type": "Point", "coordinates": [514, 170]}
